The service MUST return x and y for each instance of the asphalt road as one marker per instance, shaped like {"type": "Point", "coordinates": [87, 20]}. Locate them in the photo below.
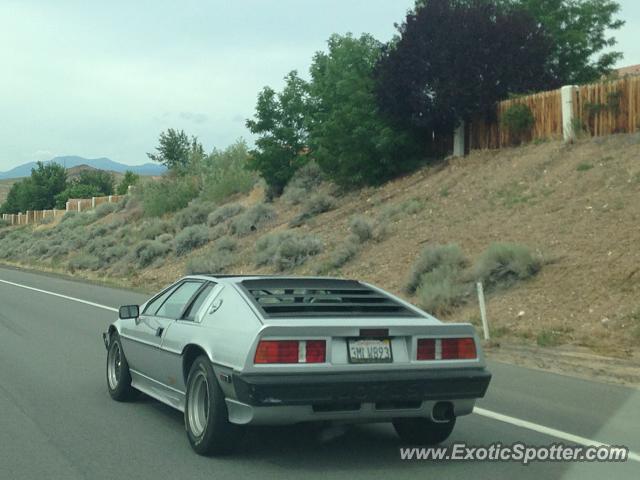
{"type": "Point", "coordinates": [57, 420]}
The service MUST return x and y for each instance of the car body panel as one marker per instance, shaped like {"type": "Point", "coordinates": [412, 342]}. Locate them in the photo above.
{"type": "Point", "coordinates": [229, 325]}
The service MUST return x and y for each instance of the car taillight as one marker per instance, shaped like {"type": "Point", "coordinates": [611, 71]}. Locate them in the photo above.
{"type": "Point", "coordinates": [449, 349]}
{"type": "Point", "coordinates": [426, 349]}
{"type": "Point", "coordinates": [458, 348]}
{"type": "Point", "coordinates": [290, 351]}
{"type": "Point", "coordinates": [316, 351]}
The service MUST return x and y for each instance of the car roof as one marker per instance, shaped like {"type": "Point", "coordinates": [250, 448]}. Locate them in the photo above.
{"type": "Point", "coordinates": [236, 278]}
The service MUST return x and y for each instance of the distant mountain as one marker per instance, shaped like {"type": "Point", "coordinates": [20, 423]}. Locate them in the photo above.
{"type": "Point", "coordinates": [99, 163]}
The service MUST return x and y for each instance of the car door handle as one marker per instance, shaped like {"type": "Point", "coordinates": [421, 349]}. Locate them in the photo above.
{"type": "Point", "coordinates": [159, 331]}
{"type": "Point", "coordinates": [215, 306]}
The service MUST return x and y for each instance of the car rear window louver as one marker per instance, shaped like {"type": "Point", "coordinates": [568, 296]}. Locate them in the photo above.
{"type": "Point", "coordinates": [321, 297]}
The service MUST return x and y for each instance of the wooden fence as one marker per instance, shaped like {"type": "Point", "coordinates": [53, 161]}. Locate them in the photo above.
{"type": "Point", "coordinates": [599, 109]}
{"type": "Point", "coordinates": [73, 205]}
{"type": "Point", "coordinates": [609, 107]}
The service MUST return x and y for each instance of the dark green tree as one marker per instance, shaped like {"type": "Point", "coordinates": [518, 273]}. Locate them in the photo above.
{"type": "Point", "coordinates": [580, 31]}
{"type": "Point", "coordinates": [280, 122]}
{"type": "Point", "coordinates": [48, 181]}
{"type": "Point", "coordinates": [18, 197]}
{"type": "Point", "coordinates": [454, 59]}
{"type": "Point", "coordinates": [130, 178]}
{"type": "Point", "coordinates": [351, 141]}
{"type": "Point", "coordinates": [89, 183]}
{"type": "Point", "coordinates": [38, 191]}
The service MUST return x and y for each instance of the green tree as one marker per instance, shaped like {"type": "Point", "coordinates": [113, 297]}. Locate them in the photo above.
{"type": "Point", "coordinates": [18, 197]}
{"type": "Point", "coordinates": [280, 122]}
{"type": "Point", "coordinates": [48, 181]}
{"type": "Point", "coordinates": [430, 83]}
{"type": "Point", "coordinates": [352, 142]}
{"type": "Point", "coordinates": [580, 30]}
{"type": "Point", "coordinates": [38, 191]}
{"type": "Point", "coordinates": [581, 33]}
{"type": "Point", "coordinates": [177, 151]}
{"type": "Point", "coordinates": [89, 183]}
{"type": "Point", "coordinates": [130, 178]}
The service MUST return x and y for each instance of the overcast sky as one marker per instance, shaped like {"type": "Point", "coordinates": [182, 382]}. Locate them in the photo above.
{"type": "Point", "coordinates": [96, 78]}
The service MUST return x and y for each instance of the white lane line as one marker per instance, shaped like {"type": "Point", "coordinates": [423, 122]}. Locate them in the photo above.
{"type": "Point", "coordinates": [66, 297]}
{"type": "Point", "coordinates": [569, 437]}
{"type": "Point", "coordinates": [480, 411]}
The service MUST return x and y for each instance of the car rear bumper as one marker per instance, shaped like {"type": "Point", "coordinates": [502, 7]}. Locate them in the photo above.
{"type": "Point", "coordinates": [410, 387]}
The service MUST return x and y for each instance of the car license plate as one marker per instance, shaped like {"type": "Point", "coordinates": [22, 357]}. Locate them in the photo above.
{"type": "Point", "coordinates": [370, 351]}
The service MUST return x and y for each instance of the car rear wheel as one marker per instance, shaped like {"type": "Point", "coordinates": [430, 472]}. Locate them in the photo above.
{"type": "Point", "coordinates": [118, 374]}
{"type": "Point", "coordinates": [205, 415]}
{"type": "Point", "coordinates": [422, 431]}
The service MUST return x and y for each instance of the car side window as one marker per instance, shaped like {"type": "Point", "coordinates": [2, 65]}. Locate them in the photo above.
{"type": "Point", "coordinates": [153, 306]}
{"type": "Point", "coordinates": [175, 303]}
{"type": "Point", "coordinates": [196, 303]}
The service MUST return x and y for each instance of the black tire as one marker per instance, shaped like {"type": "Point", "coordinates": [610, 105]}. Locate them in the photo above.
{"type": "Point", "coordinates": [205, 415]}
{"type": "Point", "coordinates": [118, 374]}
{"type": "Point", "coordinates": [422, 431]}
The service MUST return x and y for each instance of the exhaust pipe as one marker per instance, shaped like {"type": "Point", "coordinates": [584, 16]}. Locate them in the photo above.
{"type": "Point", "coordinates": [442, 412]}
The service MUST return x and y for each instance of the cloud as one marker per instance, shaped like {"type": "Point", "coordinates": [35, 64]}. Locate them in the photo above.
{"type": "Point", "coordinates": [194, 117]}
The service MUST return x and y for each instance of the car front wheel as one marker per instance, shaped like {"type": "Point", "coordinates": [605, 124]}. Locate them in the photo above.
{"type": "Point", "coordinates": [422, 431]}
{"type": "Point", "coordinates": [205, 415]}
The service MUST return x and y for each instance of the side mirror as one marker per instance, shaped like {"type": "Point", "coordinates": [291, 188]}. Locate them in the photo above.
{"type": "Point", "coordinates": [128, 311]}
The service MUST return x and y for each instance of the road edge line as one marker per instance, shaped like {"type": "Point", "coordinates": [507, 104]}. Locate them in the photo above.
{"type": "Point", "coordinates": [547, 430]}
{"type": "Point", "coordinates": [59, 295]}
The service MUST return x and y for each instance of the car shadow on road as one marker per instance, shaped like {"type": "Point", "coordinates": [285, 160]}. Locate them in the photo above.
{"type": "Point", "coordinates": [311, 445]}
{"type": "Point", "coordinates": [308, 445]}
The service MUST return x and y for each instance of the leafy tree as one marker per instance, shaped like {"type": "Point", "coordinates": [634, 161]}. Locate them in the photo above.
{"type": "Point", "coordinates": [580, 32]}
{"type": "Point", "coordinates": [47, 180]}
{"type": "Point", "coordinates": [176, 151]}
{"type": "Point", "coordinates": [38, 191]}
{"type": "Point", "coordinates": [18, 197]}
{"type": "Point", "coordinates": [280, 122]}
{"type": "Point", "coordinates": [103, 181]}
{"type": "Point", "coordinates": [455, 59]}
{"type": "Point", "coordinates": [130, 178]}
{"type": "Point", "coordinates": [77, 190]}
{"type": "Point", "coordinates": [352, 142]}
{"type": "Point", "coordinates": [89, 183]}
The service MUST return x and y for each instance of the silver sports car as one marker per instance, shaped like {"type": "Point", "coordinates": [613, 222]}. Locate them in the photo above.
{"type": "Point", "coordinates": [230, 351]}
